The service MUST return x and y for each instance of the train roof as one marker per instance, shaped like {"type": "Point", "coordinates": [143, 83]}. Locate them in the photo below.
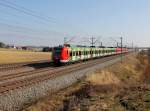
{"type": "Point", "coordinates": [85, 48]}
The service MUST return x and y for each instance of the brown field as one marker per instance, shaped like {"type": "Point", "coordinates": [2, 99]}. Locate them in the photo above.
{"type": "Point", "coordinates": [13, 56]}
{"type": "Point", "coordinates": [120, 87]}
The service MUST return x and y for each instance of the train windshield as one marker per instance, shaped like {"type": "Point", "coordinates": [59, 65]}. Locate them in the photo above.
{"type": "Point", "coordinates": [57, 51]}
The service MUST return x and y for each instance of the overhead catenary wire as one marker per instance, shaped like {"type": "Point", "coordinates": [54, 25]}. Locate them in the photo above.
{"type": "Point", "coordinates": [18, 28]}
{"type": "Point", "coordinates": [26, 9]}
{"type": "Point", "coordinates": [25, 28]}
{"type": "Point", "coordinates": [29, 12]}
{"type": "Point", "coordinates": [32, 13]}
{"type": "Point", "coordinates": [47, 19]}
{"type": "Point", "coordinates": [29, 32]}
{"type": "Point", "coordinates": [18, 25]}
{"type": "Point", "coordinates": [26, 12]}
{"type": "Point", "coordinates": [10, 14]}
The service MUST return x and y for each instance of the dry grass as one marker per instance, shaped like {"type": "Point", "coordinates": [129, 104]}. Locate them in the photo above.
{"type": "Point", "coordinates": [52, 102]}
{"type": "Point", "coordinates": [104, 77]}
{"type": "Point", "coordinates": [145, 61]}
{"type": "Point", "coordinates": [10, 56]}
{"type": "Point", "coordinates": [117, 88]}
{"type": "Point", "coordinates": [46, 106]}
{"type": "Point", "coordinates": [145, 77]}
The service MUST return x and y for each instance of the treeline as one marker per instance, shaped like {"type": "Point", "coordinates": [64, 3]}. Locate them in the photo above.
{"type": "Point", "coordinates": [47, 49]}
{"type": "Point", "coordinates": [2, 45]}
{"type": "Point", "coordinates": [43, 49]}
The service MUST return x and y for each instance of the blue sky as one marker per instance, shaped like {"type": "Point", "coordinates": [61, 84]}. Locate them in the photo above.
{"type": "Point", "coordinates": [78, 19]}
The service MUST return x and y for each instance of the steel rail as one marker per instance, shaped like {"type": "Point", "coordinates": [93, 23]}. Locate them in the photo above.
{"type": "Point", "coordinates": [11, 66]}
{"type": "Point", "coordinates": [12, 85]}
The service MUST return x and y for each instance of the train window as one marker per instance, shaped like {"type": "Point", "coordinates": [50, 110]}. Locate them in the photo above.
{"type": "Point", "coordinates": [76, 53]}
{"type": "Point", "coordinates": [71, 53]}
{"type": "Point", "coordinates": [57, 52]}
{"type": "Point", "coordinates": [103, 51]}
{"type": "Point", "coordinates": [79, 52]}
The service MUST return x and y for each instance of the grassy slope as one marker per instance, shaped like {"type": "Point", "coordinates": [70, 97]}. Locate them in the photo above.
{"type": "Point", "coordinates": [12, 56]}
{"type": "Point", "coordinates": [120, 87]}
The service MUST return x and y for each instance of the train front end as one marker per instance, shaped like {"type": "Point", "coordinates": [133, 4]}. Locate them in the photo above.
{"type": "Point", "coordinates": [56, 55]}
{"type": "Point", "coordinates": [60, 55]}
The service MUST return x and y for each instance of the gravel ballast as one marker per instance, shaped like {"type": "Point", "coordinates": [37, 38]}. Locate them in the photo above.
{"type": "Point", "coordinates": [14, 100]}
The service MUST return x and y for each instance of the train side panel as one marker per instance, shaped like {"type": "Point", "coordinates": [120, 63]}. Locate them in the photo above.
{"type": "Point", "coordinates": [73, 54]}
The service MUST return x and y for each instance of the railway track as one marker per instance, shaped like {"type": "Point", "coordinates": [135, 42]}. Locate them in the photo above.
{"type": "Point", "coordinates": [12, 82]}
{"type": "Point", "coordinates": [22, 74]}
{"type": "Point", "coordinates": [5, 67]}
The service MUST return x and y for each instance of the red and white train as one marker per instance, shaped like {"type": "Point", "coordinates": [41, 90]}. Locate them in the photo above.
{"type": "Point", "coordinates": [69, 54]}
